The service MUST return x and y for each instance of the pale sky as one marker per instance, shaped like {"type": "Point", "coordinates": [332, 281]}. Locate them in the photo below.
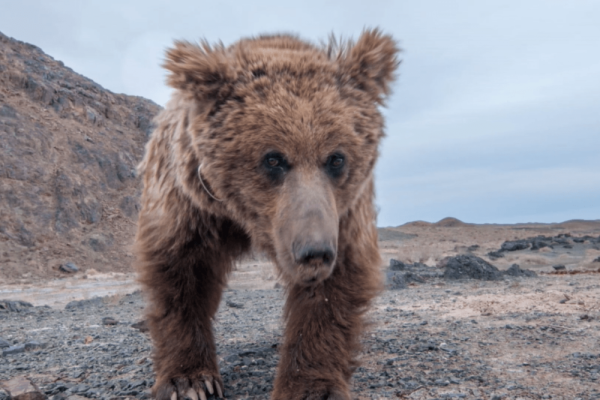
{"type": "Point", "coordinates": [495, 116]}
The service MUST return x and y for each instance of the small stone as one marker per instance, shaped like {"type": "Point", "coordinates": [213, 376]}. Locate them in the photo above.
{"type": "Point", "coordinates": [109, 321]}
{"type": "Point", "coordinates": [233, 304]}
{"type": "Point", "coordinates": [14, 305]}
{"type": "Point", "coordinates": [3, 343]}
{"type": "Point", "coordinates": [80, 304]}
{"type": "Point", "coordinates": [559, 267]}
{"type": "Point", "coordinates": [68, 267]}
{"type": "Point", "coordinates": [516, 271]}
{"type": "Point", "coordinates": [35, 345]}
{"type": "Point", "coordinates": [20, 388]}
{"type": "Point", "coordinates": [19, 348]}
{"type": "Point", "coordinates": [142, 326]}
{"type": "Point", "coordinates": [495, 254]}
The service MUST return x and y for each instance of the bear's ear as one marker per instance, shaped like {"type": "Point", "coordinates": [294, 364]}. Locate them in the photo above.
{"type": "Point", "coordinates": [200, 70]}
{"type": "Point", "coordinates": [370, 63]}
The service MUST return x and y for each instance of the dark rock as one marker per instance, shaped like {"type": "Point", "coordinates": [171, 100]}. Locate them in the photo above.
{"type": "Point", "coordinates": [96, 301]}
{"type": "Point", "coordinates": [515, 245]}
{"type": "Point", "coordinates": [142, 326]}
{"type": "Point", "coordinates": [396, 265]}
{"type": "Point", "coordinates": [395, 280]}
{"type": "Point", "coordinates": [559, 267]}
{"type": "Point", "coordinates": [560, 240]}
{"type": "Point", "coordinates": [515, 270]}
{"type": "Point", "coordinates": [68, 267]}
{"type": "Point", "coordinates": [597, 260]}
{"type": "Point", "coordinates": [14, 305]}
{"type": "Point", "coordinates": [35, 345]}
{"type": "Point", "coordinates": [3, 343]}
{"type": "Point", "coordinates": [109, 321]}
{"type": "Point", "coordinates": [470, 267]}
{"type": "Point", "coordinates": [538, 244]}
{"type": "Point", "coordinates": [495, 254]}
{"type": "Point", "coordinates": [19, 348]}
{"type": "Point", "coordinates": [473, 247]}
{"type": "Point", "coordinates": [233, 304]}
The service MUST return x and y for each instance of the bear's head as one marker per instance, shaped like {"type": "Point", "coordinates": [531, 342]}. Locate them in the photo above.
{"type": "Point", "coordinates": [281, 136]}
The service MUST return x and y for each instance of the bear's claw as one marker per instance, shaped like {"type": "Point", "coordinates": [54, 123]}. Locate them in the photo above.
{"type": "Point", "coordinates": [190, 389]}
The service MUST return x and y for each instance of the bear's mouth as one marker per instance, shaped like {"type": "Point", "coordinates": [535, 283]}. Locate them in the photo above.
{"type": "Point", "coordinates": [309, 275]}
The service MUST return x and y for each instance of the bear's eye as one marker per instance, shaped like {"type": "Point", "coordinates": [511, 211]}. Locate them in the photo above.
{"type": "Point", "coordinates": [335, 165]}
{"type": "Point", "coordinates": [275, 165]}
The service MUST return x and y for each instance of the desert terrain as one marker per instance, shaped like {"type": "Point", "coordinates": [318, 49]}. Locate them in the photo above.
{"type": "Point", "coordinates": [432, 336]}
{"type": "Point", "coordinates": [469, 311]}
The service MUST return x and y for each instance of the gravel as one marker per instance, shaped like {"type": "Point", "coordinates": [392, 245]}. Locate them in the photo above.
{"type": "Point", "coordinates": [413, 350]}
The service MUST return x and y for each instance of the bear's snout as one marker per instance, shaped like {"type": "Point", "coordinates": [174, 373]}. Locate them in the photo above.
{"type": "Point", "coordinates": [307, 229]}
{"type": "Point", "coordinates": [319, 253]}
{"type": "Point", "coordinates": [314, 261]}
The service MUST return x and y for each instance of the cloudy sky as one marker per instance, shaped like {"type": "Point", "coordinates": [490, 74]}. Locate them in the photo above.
{"type": "Point", "coordinates": [495, 117]}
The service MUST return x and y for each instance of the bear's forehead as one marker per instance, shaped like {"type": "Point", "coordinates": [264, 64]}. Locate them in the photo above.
{"type": "Point", "coordinates": [281, 58]}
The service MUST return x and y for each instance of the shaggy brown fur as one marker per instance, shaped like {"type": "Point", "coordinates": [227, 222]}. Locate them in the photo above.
{"type": "Point", "coordinates": [268, 143]}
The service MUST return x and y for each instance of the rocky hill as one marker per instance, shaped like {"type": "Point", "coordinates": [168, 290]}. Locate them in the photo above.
{"type": "Point", "coordinates": [68, 152]}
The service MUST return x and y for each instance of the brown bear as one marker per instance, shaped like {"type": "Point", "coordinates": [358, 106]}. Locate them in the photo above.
{"type": "Point", "coordinates": [269, 144]}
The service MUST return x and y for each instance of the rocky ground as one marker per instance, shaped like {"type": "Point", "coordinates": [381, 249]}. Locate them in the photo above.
{"type": "Point", "coordinates": [481, 334]}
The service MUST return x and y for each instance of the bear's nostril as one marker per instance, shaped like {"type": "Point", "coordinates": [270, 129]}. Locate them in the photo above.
{"type": "Point", "coordinates": [319, 254]}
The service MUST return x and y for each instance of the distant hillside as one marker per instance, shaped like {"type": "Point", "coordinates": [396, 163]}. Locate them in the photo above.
{"type": "Point", "coordinates": [68, 152]}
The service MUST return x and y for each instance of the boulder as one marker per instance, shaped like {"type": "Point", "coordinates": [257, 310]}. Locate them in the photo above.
{"type": "Point", "coordinates": [515, 245]}
{"type": "Point", "coordinates": [467, 266]}
{"type": "Point", "coordinates": [516, 271]}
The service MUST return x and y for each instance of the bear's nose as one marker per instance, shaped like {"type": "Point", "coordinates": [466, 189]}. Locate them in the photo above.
{"type": "Point", "coordinates": [315, 254]}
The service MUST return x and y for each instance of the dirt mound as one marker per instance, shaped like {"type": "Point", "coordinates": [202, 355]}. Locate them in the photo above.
{"type": "Point", "coordinates": [450, 222]}
{"type": "Point", "coordinates": [418, 224]}
{"type": "Point", "coordinates": [580, 224]}
{"type": "Point", "coordinates": [68, 151]}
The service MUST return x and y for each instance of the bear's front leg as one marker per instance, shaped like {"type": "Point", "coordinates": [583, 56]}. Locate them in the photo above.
{"type": "Point", "coordinates": [184, 294]}
{"type": "Point", "coordinates": [183, 273]}
{"type": "Point", "coordinates": [324, 323]}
